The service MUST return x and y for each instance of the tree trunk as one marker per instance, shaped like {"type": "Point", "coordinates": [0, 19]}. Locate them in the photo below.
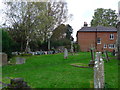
{"type": "Point", "coordinates": [27, 49]}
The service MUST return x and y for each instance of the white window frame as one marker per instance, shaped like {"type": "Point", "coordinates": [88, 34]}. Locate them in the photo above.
{"type": "Point", "coordinates": [105, 46]}
{"type": "Point", "coordinates": [111, 46]}
{"type": "Point", "coordinates": [111, 36]}
{"type": "Point", "coordinates": [99, 42]}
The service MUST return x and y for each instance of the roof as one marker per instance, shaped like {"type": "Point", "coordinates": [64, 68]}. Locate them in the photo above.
{"type": "Point", "coordinates": [98, 29]}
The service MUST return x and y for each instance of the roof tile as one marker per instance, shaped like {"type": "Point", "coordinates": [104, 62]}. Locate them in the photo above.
{"type": "Point", "coordinates": [98, 29]}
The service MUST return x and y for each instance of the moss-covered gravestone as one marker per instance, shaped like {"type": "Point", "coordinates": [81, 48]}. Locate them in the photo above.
{"type": "Point", "coordinates": [3, 60]}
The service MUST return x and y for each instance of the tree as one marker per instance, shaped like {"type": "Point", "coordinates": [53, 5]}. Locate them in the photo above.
{"type": "Point", "coordinates": [104, 17]}
{"type": "Point", "coordinates": [7, 43]}
{"type": "Point", "coordinates": [30, 21]}
{"type": "Point", "coordinates": [62, 35]}
{"type": "Point", "coordinates": [69, 31]}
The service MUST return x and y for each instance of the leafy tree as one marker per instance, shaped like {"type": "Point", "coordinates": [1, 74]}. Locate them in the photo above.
{"type": "Point", "coordinates": [7, 43]}
{"type": "Point", "coordinates": [69, 31]}
{"type": "Point", "coordinates": [62, 35]}
{"type": "Point", "coordinates": [31, 21]}
{"type": "Point", "coordinates": [104, 17]}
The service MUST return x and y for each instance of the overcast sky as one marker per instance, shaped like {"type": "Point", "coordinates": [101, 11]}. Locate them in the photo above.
{"type": "Point", "coordinates": [83, 10]}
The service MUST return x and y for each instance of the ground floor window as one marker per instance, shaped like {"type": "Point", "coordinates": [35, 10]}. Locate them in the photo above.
{"type": "Point", "coordinates": [105, 46]}
{"type": "Point", "coordinates": [111, 46]}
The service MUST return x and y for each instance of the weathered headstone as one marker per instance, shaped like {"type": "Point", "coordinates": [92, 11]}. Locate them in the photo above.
{"type": "Point", "coordinates": [20, 60]}
{"type": "Point", "coordinates": [72, 49]}
{"type": "Point", "coordinates": [3, 60]}
{"type": "Point", "coordinates": [18, 83]}
{"type": "Point", "coordinates": [65, 53]}
{"type": "Point", "coordinates": [92, 54]}
{"type": "Point", "coordinates": [45, 52]}
{"type": "Point", "coordinates": [92, 63]}
{"type": "Point", "coordinates": [99, 71]}
{"type": "Point", "coordinates": [33, 53]}
{"type": "Point", "coordinates": [106, 56]}
{"type": "Point", "coordinates": [113, 53]}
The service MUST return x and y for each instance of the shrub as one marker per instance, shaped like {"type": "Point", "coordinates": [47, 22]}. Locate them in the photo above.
{"type": "Point", "coordinates": [26, 54]}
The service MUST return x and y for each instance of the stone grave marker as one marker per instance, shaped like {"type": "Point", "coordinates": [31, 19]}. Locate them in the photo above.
{"type": "Point", "coordinates": [20, 60]}
{"type": "Point", "coordinates": [3, 59]}
{"type": "Point", "coordinates": [92, 54]}
{"type": "Point", "coordinates": [113, 53]}
{"type": "Point", "coordinates": [65, 53]}
{"type": "Point", "coordinates": [106, 56]}
{"type": "Point", "coordinates": [99, 71]}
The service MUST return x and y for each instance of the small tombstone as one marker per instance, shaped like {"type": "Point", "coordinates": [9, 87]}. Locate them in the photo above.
{"type": "Point", "coordinates": [33, 53]}
{"type": "Point", "coordinates": [65, 53]}
{"type": "Point", "coordinates": [3, 58]}
{"type": "Point", "coordinates": [18, 83]}
{"type": "Point", "coordinates": [113, 53]}
{"type": "Point", "coordinates": [92, 54]}
{"type": "Point", "coordinates": [45, 52]}
{"type": "Point", "coordinates": [92, 63]}
{"type": "Point", "coordinates": [20, 60]}
{"type": "Point", "coordinates": [106, 56]}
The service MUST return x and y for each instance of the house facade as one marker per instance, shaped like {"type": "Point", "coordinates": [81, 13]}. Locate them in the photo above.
{"type": "Point", "coordinates": [100, 37]}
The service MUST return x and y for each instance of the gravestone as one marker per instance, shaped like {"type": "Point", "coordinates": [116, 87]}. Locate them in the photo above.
{"type": "Point", "coordinates": [113, 53]}
{"type": "Point", "coordinates": [92, 54]}
{"type": "Point", "coordinates": [18, 83]}
{"type": "Point", "coordinates": [72, 49]}
{"type": "Point", "coordinates": [45, 52]}
{"type": "Point", "coordinates": [33, 53]}
{"type": "Point", "coordinates": [3, 60]}
{"type": "Point", "coordinates": [65, 53]}
{"type": "Point", "coordinates": [20, 60]}
{"type": "Point", "coordinates": [99, 71]}
{"type": "Point", "coordinates": [106, 55]}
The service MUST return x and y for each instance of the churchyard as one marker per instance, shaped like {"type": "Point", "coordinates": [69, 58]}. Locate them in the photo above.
{"type": "Point", "coordinates": [54, 71]}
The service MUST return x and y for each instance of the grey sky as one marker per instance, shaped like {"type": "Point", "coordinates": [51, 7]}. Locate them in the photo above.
{"type": "Point", "coordinates": [82, 10]}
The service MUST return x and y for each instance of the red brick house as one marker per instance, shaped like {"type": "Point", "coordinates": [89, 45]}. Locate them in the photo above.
{"type": "Point", "coordinates": [100, 37]}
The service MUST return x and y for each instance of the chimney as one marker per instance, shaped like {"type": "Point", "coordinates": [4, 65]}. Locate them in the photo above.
{"type": "Point", "coordinates": [85, 24]}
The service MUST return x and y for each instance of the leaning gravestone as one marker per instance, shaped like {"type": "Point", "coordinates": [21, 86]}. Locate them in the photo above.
{"type": "Point", "coordinates": [20, 60]}
{"type": "Point", "coordinates": [92, 54]}
{"type": "Point", "coordinates": [65, 53]}
{"type": "Point", "coordinates": [3, 60]}
{"type": "Point", "coordinates": [106, 56]}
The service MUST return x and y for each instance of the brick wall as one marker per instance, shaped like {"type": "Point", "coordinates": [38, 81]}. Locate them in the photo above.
{"type": "Point", "coordinates": [88, 39]}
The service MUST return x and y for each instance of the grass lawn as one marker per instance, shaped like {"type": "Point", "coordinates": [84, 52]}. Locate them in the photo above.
{"type": "Point", "coordinates": [53, 71]}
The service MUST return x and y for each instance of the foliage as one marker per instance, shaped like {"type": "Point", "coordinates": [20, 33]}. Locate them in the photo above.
{"type": "Point", "coordinates": [62, 35]}
{"type": "Point", "coordinates": [69, 31]}
{"type": "Point", "coordinates": [34, 21]}
{"type": "Point", "coordinates": [26, 54]}
{"type": "Point", "coordinates": [52, 71]}
{"type": "Point", "coordinates": [7, 43]}
{"type": "Point", "coordinates": [104, 17]}
{"type": "Point", "coordinates": [76, 47]}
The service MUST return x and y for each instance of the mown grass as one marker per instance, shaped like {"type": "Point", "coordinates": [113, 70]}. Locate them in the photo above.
{"type": "Point", "coordinates": [53, 71]}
